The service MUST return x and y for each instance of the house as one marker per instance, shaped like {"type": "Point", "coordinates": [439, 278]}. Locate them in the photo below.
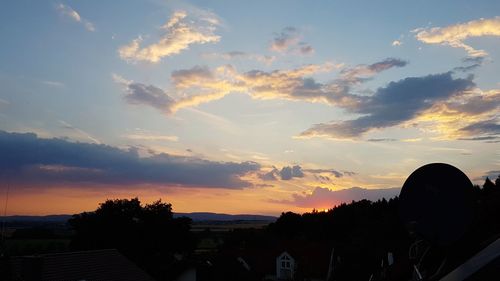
{"type": "Point", "coordinates": [285, 267]}
{"type": "Point", "coordinates": [284, 260]}
{"type": "Point", "coordinates": [106, 264]}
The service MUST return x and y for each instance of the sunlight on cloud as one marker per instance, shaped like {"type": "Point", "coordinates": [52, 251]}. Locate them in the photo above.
{"type": "Point", "coordinates": [145, 137]}
{"type": "Point", "coordinates": [62, 162]}
{"type": "Point", "coordinates": [397, 43]}
{"type": "Point", "coordinates": [441, 104]}
{"type": "Point", "coordinates": [473, 115]}
{"type": "Point", "coordinates": [325, 198]}
{"type": "Point", "coordinates": [394, 105]}
{"type": "Point", "coordinates": [454, 35]}
{"type": "Point", "coordinates": [180, 32]}
{"type": "Point", "coordinates": [237, 55]}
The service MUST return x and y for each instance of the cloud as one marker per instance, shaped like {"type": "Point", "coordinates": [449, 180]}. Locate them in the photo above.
{"type": "Point", "coordinates": [237, 55]}
{"type": "Point", "coordinates": [381, 140]}
{"type": "Point", "coordinates": [56, 84]}
{"type": "Point", "coordinates": [324, 197]}
{"type": "Point", "coordinates": [362, 72]}
{"type": "Point", "coordinates": [488, 139]}
{"type": "Point", "coordinates": [289, 172]}
{"type": "Point", "coordinates": [473, 63]}
{"type": "Point", "coordinates": [138, 93]}
{"type": "Point", "coordinates": [396, 43]}
{"type": "Point", "coordinates": [79, 131]}
{"type": "Point", "coordinates": [475, 103]}
{"type": "Point", "coordinates": [471, 115]}
{"type": "Point", "coordinates": [437, 103]}
{"type": "Point", "coordinates": [204, 85]}
{"type": "Point", "coordinates": [283, 40]}
{"type": "Point", "coordinates": [179, 33]}
{"type": "Point", "coordinates": [271, 175]}
{"type": "Point", "coordinates": [487, 128]}
{"type": "Point", "coordinates": [492, 175]}
{"type": "Point", "coordinates": [189, 77]}
{"type": "Point", "coordinates": [286, 173]}
{"type": "Point", "coordinates": [335, 173]}
{"type": "Point", "coordinates": [152, 137]}
{"type": "Point", "coordinates": [200, 84]}
{"type": "Point", "coordinates": [4, 103]}
{"type": "Point", "coordinates": [305, 49]}
{"type": "Point", "coordinates": [297, 85]}
{"type": "Point", "coordinates": [68, 12]}
{"type": "Point", "coordinates": [288, 40]}
{"type": "Point", "coordinates": [296, 171]}
{"type": "Point", "coordinates": [454, 35]}
{"type": "Point", "coordinates": [196, 80]}
{"type": "Point", "coordinates": [30, 160]}
{"type": "Point", "coordinates": [393, 105]}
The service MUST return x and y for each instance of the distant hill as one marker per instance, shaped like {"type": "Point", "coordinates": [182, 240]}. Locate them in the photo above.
{"type": "Point", "coordinates": [203, 216]}
{"type": "Point", "coordinates": [49, 218]}
{"type": "Point", "coordinates": [198, 216]}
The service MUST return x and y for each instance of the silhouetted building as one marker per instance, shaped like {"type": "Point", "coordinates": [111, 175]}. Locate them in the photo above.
{"type": "Point", "coordinates": [106, 264]}
{"type": "Point", "coordinates": [285, 266]}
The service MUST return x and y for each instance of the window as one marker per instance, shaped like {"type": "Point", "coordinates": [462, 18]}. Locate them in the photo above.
{"type": "Point", "coordinates": [285, 262]}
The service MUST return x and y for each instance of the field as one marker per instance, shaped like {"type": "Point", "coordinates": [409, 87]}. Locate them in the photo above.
{"type": "Point", "coordinates": [223, 226]}
{"type": "Point", "coordinates": [17, 247]}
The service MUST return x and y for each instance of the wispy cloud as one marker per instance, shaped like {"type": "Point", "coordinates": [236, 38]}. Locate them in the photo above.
{"type": "Point", "coordinates": [289, 40]}
{"type": "Point", "coordinates": [151, 137]}
{"type": "Point", "coordinates": [237, 55]}
{"type": "Point", "coordinates": [334, 172]}
{"type": "Point", "coordinates": [79, 131]}
{"type": "Point", "coordinates": [70, 13]}
{"type": "Point", "coordinates": [56, 84]}
{"type": "Point", "coordinates": [180, 31]}
{"type": "Point", "coordinates": [3, 103]}
{"type": "Point", "coordinates": [488, 129]}
{"type": "Point", "coordinates": [470, 64]}
{"type": "Point", "coordinates": [492, 175]}
{"type": "Point", "coordinates": [454, 35]}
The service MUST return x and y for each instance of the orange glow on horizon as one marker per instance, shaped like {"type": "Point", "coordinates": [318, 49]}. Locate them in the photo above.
{"type": "Point", "coordinates": [65, 200]}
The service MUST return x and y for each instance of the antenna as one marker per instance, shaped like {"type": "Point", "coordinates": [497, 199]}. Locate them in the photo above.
{"type": "Point", "coordinates": [2, 245]}
{"type": "Point", "coordinates": [437, 206]}
{"type": "Point", "coordinates": [436, 203]}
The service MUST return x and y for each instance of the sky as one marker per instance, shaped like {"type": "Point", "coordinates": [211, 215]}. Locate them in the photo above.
{"type": "Point", "coordinates": [241, 106]}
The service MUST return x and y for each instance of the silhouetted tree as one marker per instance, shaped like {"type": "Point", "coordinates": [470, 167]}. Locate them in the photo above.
{"type": "Point", "coordinates": [362, 233]}
{"type": "Point", "coordinates": [488, 185]}
{"type": "Point", "coordinates": [149, 235]}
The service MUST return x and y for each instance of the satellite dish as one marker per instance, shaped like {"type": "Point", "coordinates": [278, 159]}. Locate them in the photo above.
{"type": "Point", "coordinates": [437, 202]}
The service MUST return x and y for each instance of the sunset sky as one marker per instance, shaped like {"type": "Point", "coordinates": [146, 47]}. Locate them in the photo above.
{"type": "Point", "coordinates": [241, 106]}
